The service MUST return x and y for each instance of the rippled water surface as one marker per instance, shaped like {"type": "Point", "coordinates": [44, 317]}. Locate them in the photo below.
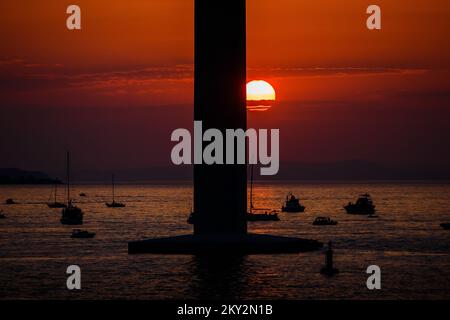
{"type": "Point", "coordinates": [405, 241]}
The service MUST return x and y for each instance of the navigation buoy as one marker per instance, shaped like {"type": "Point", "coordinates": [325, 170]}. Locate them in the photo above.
{"type": "Point", "coordinates": [328, 269]}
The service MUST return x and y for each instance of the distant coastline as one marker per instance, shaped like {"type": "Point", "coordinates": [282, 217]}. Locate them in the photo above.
{"type": "Point", "coordinates": [18, 176]}
{"type": "Point", "coordinates": [340, 171]}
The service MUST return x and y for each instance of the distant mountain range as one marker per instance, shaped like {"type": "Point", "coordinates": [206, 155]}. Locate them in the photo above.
{"type": "Point", "coordinates": [18, 176]}
{"type": "Point", "coordinates": [357, 170]}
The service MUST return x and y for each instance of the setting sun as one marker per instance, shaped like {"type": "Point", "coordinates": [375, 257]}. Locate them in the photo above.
{"type": "Point", "coordinates": [260, 95]}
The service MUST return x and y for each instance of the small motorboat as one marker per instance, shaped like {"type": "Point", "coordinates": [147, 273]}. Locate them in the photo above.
{"type": "Point", "coordinates": [364, 205]}
{"type": "Point", "coordinates": [2, 215]}
{"type": "Point", "coordinates": [292, 204]}
{"type": "Point", "coordinates": [445, 226]}
{"type": "Point", "coordinates": [324, 221]}
{"type": "Point", "coordinates": [10, 201]}
{"type": "Point", "coordinates": [82, 234]}
{"type": "Point", "coordinates": [82, 194]}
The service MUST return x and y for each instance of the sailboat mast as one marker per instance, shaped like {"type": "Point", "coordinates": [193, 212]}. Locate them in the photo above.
{"type": "Point", "coordinates": [251, 189]}
{"type": "Point", "coordinates": [68, 177]}
{"type": "Point", "coordinates": [113, 187]}
{"type": "Point", "coordinates": [56, 187]}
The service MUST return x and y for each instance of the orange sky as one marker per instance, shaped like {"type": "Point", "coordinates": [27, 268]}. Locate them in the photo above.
{"type": "Point", "coordinates": [328, 71]}
{"type": "Point", "coordinates": [140, 52]}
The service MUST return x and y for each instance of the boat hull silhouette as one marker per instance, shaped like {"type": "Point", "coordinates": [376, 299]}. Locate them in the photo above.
{"type": "Point", "coordinates": [324, 221]}
{"type": "Point", "coordinates": [262, 217]}
{"type": "Point", "coordinates": [72, 216]}
{"type": "Point", "coordinates": [10, 201]}
{"type": "Point", "coordinates": [115, 205]}
{"type": "Point", "coordinates": [445, 226]}
{"type": "Point", "coordinates": [293, 210]}
{"type": "Point", "coordinates": [82, 234]}
{"type": "Point", "coordinates": [354, 209]}
{"type": "Point", "coordinates": [56, 205]}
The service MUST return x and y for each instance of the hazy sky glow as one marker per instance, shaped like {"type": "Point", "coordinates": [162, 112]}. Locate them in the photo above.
{"type": "Point", "coordinates": [334, 79]}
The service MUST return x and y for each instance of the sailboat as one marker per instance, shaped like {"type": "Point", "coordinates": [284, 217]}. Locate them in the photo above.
{"type": "Point", "coordinates": [55, 204]}
{"type": "Point", "coordinates": [267, 215]}
{"type": "Point", "coordinates": [114, 204]}
{"type": "Point", "coordinates": [71, 215]}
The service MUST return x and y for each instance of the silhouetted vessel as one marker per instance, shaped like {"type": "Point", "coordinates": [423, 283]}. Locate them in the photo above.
{"type": "Point", "coordinates": [114, 204]}
{"type": "Point", "coordinates": [55, 204]}
{"type": "Point", "coordinates": [324, 221]}
{"type": "Point", "coordinates": [71, 215]}
{"type": "Point", "coordinates": [82, 194]}
{"type": "Point", "coordinates": [191, 218]}
{"type": "Point", "coordinates": [10, 201]}
{"type": "Point", "coordinates": [82, 234]}
{"type": "Point", "coordinates": [2, 215]}
{"type": "Point", "coordinates": [363, 205]}
{"type": "Point", "coordinates": [445, 226]}
{"type": "Point", "coordinates": [267, 215]}
{"type": "Point", "coordinates": [292, 204]}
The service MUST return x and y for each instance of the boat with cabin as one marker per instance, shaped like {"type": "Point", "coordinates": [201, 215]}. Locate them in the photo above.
{"type": "Point", "coordinates": [324, 221]}
{"type": "Point", "coordinates": [292, 204]}
{"type": "Point", "coordinates": [82, 234]}
{"type": "Point", "coordinates": [363, 206]}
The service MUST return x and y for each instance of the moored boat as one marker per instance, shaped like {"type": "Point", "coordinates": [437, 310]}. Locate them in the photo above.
{"type": "Point", "coordinates": [265, 216]}
{"type": "Point", "coordinates": [10, 201]}
{"type": "Point", "coordinates": [259, 214]}
{"type": "Point", "coordinates": [82, 234]}
{"type": "Point", "coordinates": [114, 204]}
{"type": "Point", "coordinates": [324, 221]}
{"type": "Point", "coordinates": [364, 205]}
{"type": "Point", "coordinates": [55, 203]}
{"type": "Point", "coordinates": [70, 215]}
{"type": "Point", "coordinates": [292, 204]}
{"type": "Point", "coordinates": [445, 226]}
